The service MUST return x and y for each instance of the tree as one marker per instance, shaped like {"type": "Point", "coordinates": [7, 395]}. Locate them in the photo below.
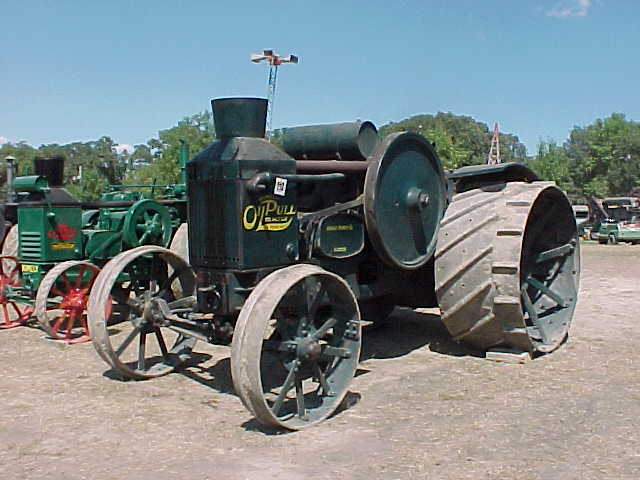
{"type": "Point", "coordinates": [198, 131]}
{"type": "Point", "coordinates": [605, 156]}
{"type": "Point", "coordinates": [459, 140]}
{"type": "Point", "coordinates": [552, 163]}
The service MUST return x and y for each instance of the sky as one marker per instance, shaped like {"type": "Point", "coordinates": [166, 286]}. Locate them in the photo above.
{"type": "Point", "coordinates": [79, 70]}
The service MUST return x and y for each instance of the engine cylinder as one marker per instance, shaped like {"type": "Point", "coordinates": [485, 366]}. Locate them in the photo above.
{"type": "Point", "coordinates": [342, 141]}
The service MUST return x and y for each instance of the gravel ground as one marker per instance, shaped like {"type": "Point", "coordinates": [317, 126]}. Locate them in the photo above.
{"type": "Point", "coordinates": [420, 407]}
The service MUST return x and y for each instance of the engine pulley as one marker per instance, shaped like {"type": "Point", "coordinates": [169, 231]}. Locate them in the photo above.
{"type": "Point", "coordinates": [404, 200]}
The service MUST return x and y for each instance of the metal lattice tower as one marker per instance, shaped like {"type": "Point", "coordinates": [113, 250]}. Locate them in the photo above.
{"type": "Point", "coordinates": [494, 151]}
{"type": "Point", "coordinates": [274, 61]}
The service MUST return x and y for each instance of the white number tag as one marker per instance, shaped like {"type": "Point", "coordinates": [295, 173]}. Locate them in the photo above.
{"type": "Point", "coordinates": [280, 188]}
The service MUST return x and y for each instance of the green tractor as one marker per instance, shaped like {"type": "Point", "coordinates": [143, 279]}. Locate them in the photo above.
{"type": "Point", "coordinates": [52, 255]}
{"type": "Point", "coordinates": [291, 249]}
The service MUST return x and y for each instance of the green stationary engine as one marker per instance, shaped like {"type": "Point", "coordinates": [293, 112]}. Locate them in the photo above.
{"type": "Point", "coordinates": [60, 243]}
{"type": "Point", "coordinates": [290, 249]}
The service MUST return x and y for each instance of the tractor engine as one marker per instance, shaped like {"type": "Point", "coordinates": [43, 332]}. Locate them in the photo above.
{"type": "Point", "coordinates": [49, 219]}
{"type": "Point", "coordinates": [239, 224]}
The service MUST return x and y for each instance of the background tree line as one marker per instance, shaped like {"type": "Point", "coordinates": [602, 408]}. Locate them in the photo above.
{"type": "Point", "coordinates": [601, 159]}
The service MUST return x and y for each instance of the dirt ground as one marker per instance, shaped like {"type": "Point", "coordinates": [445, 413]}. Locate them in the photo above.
{"type": "Point", "coordinates": [420, 406]}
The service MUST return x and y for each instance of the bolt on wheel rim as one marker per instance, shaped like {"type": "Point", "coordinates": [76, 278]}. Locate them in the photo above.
{"type": "Point", "coordinates": [61, 302]}
{"type": "Point", "coordinates": [126, 324]}
{"type": "Point", "coordinates": [292, 366]}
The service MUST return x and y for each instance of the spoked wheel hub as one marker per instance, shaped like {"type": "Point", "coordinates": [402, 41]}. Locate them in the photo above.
{"type": "Point", "coordinates": [62, 298]}
{"type": "Point", "coordinates": [308, 349]}
{"type": "Point", "coordinates": [131, 324]}
{"type": "Point", "coordinates": [296, 346]}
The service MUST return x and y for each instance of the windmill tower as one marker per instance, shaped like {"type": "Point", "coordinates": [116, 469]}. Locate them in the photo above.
{"type": "Point", "coordinates": [494, 151]}
{"type": "Point", "coordinates": [274, 60]}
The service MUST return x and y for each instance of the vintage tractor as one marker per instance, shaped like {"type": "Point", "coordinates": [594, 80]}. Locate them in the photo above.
{"type": "Point", "coordinates": [54, 252]}
{"type": "Point", "coordinates": [290, 248]}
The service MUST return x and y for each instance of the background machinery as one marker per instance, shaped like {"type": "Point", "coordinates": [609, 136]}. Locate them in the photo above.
{"type": "Point", "coordinates": [290, 248]}
{"type": "Point", "coordinates": [54, 250]}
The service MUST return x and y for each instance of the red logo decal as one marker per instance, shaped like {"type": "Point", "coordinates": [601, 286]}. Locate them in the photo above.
{"type": "Point", "coordinates": [62, 232]}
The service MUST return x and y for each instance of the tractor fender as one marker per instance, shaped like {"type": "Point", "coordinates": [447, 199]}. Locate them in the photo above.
{"type": "Point", "coordinates": [478, 176]}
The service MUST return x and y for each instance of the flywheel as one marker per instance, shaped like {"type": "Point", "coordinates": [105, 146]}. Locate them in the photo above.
{"type": "Point", "coordinates": [404, 200]}
{"type": "Point", "coordinates": [507, 267]}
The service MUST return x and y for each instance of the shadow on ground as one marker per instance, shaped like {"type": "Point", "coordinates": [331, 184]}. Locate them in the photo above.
{"type": "Point", "coordinates": [406, 330]}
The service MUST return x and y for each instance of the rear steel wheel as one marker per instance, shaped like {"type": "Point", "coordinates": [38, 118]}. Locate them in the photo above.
{"type": "Point", "coordinates": [296, 346]}
{"type": "Point", "coordinates": [61, 301]}
{"type": "Point", "coordinates": [127, 308]}
{"type": "Point", "coordinates": [10, 248]}
{"type": "Point", "coordinates": [507, 267]}
{"type": "Point", "coordinates": [180, 246]}
{"type": "Point", "coordinates": [17, 315]}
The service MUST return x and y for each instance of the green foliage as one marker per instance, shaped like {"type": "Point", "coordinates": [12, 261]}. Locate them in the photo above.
{"type": "Point", "coordinates": [163, 171]}
{"type": "Point", "coordinates": [601, 159]}
{"type": "Point", "coordinates": [605, 156]}
{"type": "Point", "coordinates": [459, 140]}
{"type": "Point", "coordinates": [23, 154]}
{"type": "Point", "coordinates": [164, 168]}
{"type": "Point", "coordinates": [552, 163]}
{"type": "Point", "coordinates": [90, 187]}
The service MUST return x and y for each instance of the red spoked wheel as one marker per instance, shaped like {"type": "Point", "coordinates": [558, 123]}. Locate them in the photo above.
{"type": "Point", "coordinates": [61, 301]}
{"type": "Point", "coordinates": [10, 280]}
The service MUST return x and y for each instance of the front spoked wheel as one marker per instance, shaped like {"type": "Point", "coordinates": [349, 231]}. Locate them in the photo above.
{"type": "Point", "coordinates": [61, 301]}
{"type": "Point", "coordinates": [296, 346]}
{"type": "Point", "coordinates": [129, 307]}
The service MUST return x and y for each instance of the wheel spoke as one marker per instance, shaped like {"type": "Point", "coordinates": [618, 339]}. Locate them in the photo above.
{"type": "Point", "coordinates": [561, 251]}
{"type": "Point", "coordinates": [142, 351]}
{"type": "Point", "coordinates": [541, 287]}
{"type": "Point", "coordinates": [161, 343]}
{"type": "Point", "coordinates": [533, 316]}
{"type": "Point", "coordinates": [58, 323]}
{"type": "Point", "coordinates": [317, 371]}
{"type": "Point", "coordinates": [286, 386]}
{"type": "Point", "coordinates": [71, 319]}
{"type": "Point", "coordinates": [16, 309]}
{"type": "Point", "coordinates": [300, 396]}
{"type": "Point", "coordinates": [316, 301]}
{"type": "Point", "coordinates": [322, 331]}
{"type": "Point", "coordinates": [127, 340]}
{"type": "Point", "coordinates": [146, 216]}
{"type": "Point", "coordinates": [85, 326]}
{"type": "Point", "coordinates": [144, 237]}
{"type": "Point", "coordinates": [6, 313]}
{"type": "Point", "coordinates": [81, 271]}
{"type": "Point", "coordinates": [329, 351]}
{"type": "Point", "coordinates": [65, 280]}
{"type": "Point", "coordinates": [56, 292]}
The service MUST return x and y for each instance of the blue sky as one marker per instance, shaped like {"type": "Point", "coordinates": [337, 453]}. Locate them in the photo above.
{"type": "Point", "coordinates": [77, 70]}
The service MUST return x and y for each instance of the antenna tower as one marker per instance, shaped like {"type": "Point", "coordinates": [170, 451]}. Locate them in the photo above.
{"type": "Point", "coordinates": [494, 151]}
{"type": "Point", "coordinates": [274, 61]}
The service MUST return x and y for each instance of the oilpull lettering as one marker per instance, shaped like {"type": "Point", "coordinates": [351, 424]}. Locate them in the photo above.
{"type": "Point", "coordinates": [268, 215]}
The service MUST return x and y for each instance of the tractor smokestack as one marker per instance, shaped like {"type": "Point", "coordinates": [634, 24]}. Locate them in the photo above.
{"type": "Point", "coordinates": [239, 117]}
{"type": "Point", "coordinates": [51, 168]}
